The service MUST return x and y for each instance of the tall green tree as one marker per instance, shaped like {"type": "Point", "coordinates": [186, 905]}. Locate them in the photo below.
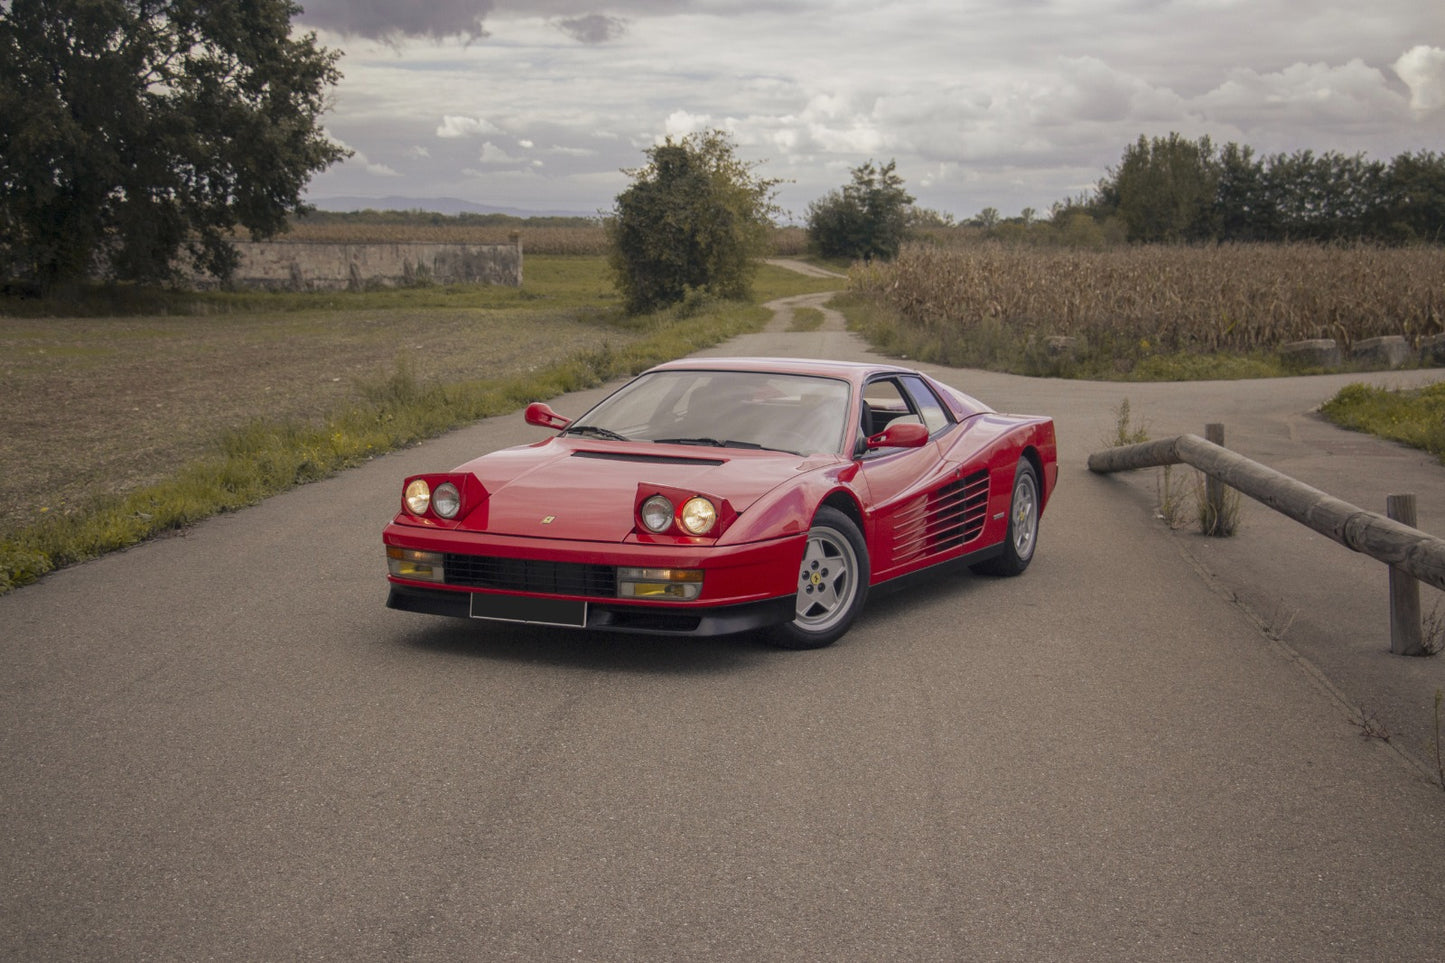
{"type": "Point", "coordinates": [1244, 205]}
{"type": "Point", "coordinates": [133, 129]}
{"type": "Point", "coordinates": [1164, 189]}
{"type": "Point", "coordinates": [1323, 197]}
{"type": "Point", "coordinates": [865, 219]}
{"type": "Point", "coordinates": [1414, 189]}
{"type": "Point", "coordinates": [695, 218]}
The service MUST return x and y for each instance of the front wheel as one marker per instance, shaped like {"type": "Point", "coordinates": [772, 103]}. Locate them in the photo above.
{"type": "Point", "coordinates": [832, 583]}
{"type": "Point", "coordinates": [1023, 525]}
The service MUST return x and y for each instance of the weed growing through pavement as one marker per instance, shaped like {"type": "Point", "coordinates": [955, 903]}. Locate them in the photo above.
{"type": "Point", "coordinates": [1221, 521]}
{"type": "Point", "coordinates": [1439, 757]}
{"type": "Point", "coordinates": [1281, 621]}
{"type": "Point", "coordinates": [1171, 506]}
{"type": "Point", "coordinates": [1432, 634]}
{"type": "Point", "coordinates": [1125, 431]}
{"type": "Point", "coordinates": [1370, 725]}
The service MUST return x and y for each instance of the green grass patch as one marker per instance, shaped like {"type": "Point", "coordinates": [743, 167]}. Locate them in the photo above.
{"type": "Point", "coordinates": [806, 319]}
{"type": "Point", "coordinates": [1411, 416]}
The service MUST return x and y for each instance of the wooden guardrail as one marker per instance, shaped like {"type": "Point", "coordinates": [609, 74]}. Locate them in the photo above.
{"type": "Point", "coordinates": [1401, 546]}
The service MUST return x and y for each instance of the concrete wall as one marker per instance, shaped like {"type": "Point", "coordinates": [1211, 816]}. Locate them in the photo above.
{"type": "Point", "coordinates": [310, 266]}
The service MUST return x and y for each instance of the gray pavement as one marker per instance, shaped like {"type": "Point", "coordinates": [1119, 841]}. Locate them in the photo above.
{"type": "Point", "coordinates": [221, 746]}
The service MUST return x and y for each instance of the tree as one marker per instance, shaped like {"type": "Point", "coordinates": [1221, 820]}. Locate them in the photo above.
{"type": "Point", "coordinates": [130, 129]}
{"type": "Point", "coordinates": [1244, 208]}
{"type": "Point", "coordinates": [1323, 197]}
{"type": "Point", "coordinates": [695, 218]}
{"type": "Point", "coordinates": [1164, 189]}
{"type": "Point", "coordinates": [1414, 205]}
{"type": "Point", "coordinates": [865, 219]}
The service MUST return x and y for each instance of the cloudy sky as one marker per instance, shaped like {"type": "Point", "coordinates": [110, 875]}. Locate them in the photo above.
{"type": "Point", "coordinates": [540, 104]}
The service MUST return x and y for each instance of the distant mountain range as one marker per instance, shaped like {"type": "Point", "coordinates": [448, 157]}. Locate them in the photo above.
{"type": "Point", "coordinates": [439, 205]}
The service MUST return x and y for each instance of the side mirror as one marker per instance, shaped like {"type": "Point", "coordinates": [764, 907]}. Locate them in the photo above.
{"type": "Point", "coordinates": [543, 416]}
{"type": "Point", "coordinates": [912, 435]}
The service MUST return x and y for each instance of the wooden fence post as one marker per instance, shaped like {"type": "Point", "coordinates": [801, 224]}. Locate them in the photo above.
{"type": "Point", "coordinates": [1405, 635]}
{"type": "Point", "coordinates": [1213, 487]}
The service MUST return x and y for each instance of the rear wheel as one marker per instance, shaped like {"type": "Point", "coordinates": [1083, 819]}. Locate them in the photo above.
{"type": "Point", "coordinates": [832, 583]}
{"type": "Point", "coordinates": [1023, 525]}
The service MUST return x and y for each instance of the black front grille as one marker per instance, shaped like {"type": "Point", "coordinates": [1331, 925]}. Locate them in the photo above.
{"type": "Point", "coordinates": [528, 575]}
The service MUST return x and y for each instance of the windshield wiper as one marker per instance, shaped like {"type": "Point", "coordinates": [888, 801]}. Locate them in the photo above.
{"type": "Point", "coordinates": [715, 443]}
{"type": "Point", "coordinates": [596, 431]}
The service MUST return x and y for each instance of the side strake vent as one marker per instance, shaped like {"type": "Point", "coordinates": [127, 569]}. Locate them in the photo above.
{"type": "Point", "coordinates": [945, 518]}
{"type": "Point", "coordinates": [649, 459]}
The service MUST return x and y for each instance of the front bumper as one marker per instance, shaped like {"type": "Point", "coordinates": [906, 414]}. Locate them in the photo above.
{"type": "Point", "coordinates": [609, 617]}
{"type": "Point", "coordinates": [744, 586]}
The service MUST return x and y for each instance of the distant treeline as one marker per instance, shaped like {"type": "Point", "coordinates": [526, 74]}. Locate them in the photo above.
{"type": "Point", "coordinates": [420, 218]}
{"type": "Point", "coordinates": [1172, 189]}
{"type": "Point", "coordinates": [1164, 190]}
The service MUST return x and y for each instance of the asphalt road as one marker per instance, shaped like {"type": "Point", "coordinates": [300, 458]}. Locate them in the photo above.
{"type": "Point", "coordinates": [221, 745]}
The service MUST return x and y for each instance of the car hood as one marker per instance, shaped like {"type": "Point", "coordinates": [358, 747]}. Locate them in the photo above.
{"type": "Point", "coordinates": [565, 489]}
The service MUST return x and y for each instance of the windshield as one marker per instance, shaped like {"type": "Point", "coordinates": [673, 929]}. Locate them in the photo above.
{"type": "Point", "coordinates": [729, 409]}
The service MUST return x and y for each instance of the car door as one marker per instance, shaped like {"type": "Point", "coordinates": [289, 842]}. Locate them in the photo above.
{"type": "Point", "coordinates": [920, 510]}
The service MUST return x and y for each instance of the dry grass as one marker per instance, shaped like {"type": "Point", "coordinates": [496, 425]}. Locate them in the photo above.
{"type": "Point", "coordinates": [1150, 300]}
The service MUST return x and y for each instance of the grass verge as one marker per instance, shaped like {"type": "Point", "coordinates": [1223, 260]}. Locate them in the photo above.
{"type": "Point", "coordinates": [1414, 417]}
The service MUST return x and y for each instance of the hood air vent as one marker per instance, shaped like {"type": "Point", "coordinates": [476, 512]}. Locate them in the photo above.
{"type": "Point", "coordinates": [649, 459]}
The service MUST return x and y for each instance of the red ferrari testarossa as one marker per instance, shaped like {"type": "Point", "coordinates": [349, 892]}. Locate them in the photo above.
{"type": "Point", "coordinates": [716, 495]}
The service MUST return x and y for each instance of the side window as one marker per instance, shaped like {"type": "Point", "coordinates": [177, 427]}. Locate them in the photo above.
{"type": "Point", "coordinates": [929, 408]}
{"type": "Point", "coordinates": [883, 403]}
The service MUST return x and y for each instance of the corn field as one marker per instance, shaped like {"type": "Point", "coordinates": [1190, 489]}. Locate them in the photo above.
{"type": "Point", "coordinates": [1158, 299]}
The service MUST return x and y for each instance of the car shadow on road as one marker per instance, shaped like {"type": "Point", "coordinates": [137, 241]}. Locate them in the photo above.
{"type": "Point", "coordinates": [662, 654]}
{"type": "Point", "coordinates": [593, 651]}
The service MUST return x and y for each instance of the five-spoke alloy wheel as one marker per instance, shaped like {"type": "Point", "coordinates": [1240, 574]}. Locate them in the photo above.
{"type": "Point", "coordinates": [1023, 525]}
{"type": "Point", "coordinates": [832, 583]}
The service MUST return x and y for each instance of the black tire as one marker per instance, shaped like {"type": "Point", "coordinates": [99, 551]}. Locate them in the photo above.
{"type": "Point", "coordinates": [832, 583]}
{"type": "Point", "coordinates": [1022, 537]}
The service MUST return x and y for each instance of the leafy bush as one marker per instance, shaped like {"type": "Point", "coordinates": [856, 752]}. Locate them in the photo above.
{"type": "Point", "coordinates": [695, 219]}
{"type": "Point", "coordinates": [865, 219]}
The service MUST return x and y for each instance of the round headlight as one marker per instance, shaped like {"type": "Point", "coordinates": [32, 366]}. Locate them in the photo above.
{"type": "Point", "coordinates": [418, 496]}
{"type": "Point", "coordinates": [446, 501]}
{"type": "Point", "coordinates": [699, 516]}
{"type": "Point", "coordinates": [657, 513]}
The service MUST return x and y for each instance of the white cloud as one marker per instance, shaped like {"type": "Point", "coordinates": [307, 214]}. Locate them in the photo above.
{"type": "Point", "coordinates": [492, 154]}
{"type": "Point", "coordinates": [452, 126]}
{"type": "Point", "coordinates": [680, 123]}
{"type": "Point", "coordinates": [1422, 69]}
{"type": "Point", "coordinates": [359, 160]}
{"type": "Point", "coordinates": [978, 105]}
